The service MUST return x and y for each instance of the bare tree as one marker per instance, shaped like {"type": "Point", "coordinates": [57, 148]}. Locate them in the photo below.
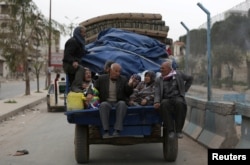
{"type": "Point", "coordinates": [26, 28]}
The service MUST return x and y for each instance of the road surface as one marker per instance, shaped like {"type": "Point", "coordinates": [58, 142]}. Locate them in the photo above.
{"type": "Point", "coordinates": [49, 138]}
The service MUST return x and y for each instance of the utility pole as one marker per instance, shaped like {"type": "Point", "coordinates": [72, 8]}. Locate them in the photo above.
{"type": "Point", "coordinates": [209, 69]}
{"type": "Point", "coordinates": [71, 25]}
{"type": "Point", "coordinates": [49, 53]}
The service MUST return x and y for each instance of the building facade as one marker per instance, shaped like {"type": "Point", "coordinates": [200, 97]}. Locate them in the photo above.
{"type": "Point", "coordinates": [40, 53]}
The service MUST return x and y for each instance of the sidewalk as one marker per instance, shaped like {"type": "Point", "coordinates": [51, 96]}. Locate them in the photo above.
{"type": "Point", "coordinates": [22, 102]}
{"type": "Point", "coordinates": [219, 94]}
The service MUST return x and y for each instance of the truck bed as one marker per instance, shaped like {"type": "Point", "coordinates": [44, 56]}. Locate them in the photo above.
{"type": "Point", "coordinates": [138, 121]}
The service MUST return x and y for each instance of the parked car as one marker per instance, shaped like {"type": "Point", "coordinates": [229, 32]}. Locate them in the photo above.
{"type": "Point", "coordinates": [56, 96]}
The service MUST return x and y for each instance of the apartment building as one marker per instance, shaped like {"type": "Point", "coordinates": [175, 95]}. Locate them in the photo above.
{"type": "Point", "coordinates": [39, 54]}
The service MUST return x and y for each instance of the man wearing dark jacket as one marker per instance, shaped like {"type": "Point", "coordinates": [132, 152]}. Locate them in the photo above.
{"type": "Point", "coordinates": [170, 89]}
{"type": "Point", "coordinates": [73, 52]}
{"type": "Point", "coordinates": [114, 90]}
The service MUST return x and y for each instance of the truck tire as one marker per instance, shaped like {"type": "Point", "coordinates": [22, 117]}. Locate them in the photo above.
{"type": "Point", "coordinates": [170, 147]}
{"type": "Point", "coordinates": [81, 143]}
{"type": "Point", "coordinates": [48, 104]}
{"type": "Point", "coordinates": [49, 108]}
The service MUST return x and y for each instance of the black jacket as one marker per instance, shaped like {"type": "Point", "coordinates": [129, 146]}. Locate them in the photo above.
{"type": "Point", "coordinates": [184, 82]}
{"type": "Point", "coordinates": [73, 51]}
{"type": "Point", "coordinates": [123, 90]}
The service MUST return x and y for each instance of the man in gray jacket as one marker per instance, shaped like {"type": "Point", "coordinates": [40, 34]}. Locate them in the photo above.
{"type": "Point", "coordinates": [114, 90]}
{"type": "Point", "coordinates": [170, 90]}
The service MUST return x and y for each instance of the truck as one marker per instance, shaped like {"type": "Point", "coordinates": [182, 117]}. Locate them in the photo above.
{"type": "Point", "coordinates": [56, 98]}
{"type": "Point", "coordinates": [141, 125]}
{"type": "Point", "coordinates": [136, 53]}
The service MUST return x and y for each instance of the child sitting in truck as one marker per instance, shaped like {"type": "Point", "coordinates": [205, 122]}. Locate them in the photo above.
{"type": "Point", "coordinates": [91, 99]}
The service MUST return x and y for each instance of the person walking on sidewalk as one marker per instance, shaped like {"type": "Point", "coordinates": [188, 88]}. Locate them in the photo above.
{"type": "Point", "coordinates": [170, 90]}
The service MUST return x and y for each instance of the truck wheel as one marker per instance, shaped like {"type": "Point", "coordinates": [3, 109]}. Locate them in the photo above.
{"type": "Point", "coordinates": [170, 147]}
{"type": "Point", "coordinates": [49, 108]}
{"type": "Point", "coordinates": [82, 143]}
{"type": "Point", "coordinates": [48, 104]}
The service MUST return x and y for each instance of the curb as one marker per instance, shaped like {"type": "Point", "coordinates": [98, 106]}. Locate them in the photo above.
{"type": "Point", "coordinates": [20, 109]}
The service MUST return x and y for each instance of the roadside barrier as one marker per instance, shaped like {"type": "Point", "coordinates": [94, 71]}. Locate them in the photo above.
{"type": "Point", "coordinates": [195, 117]}
{"type": "Point", "coordinates": [244, 110]}
{"type": "Point", "coordinates": [219, 127]}
{"type": "Point", "coordinates": [211, 123]}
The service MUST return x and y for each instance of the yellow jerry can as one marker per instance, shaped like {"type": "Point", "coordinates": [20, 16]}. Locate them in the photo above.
{"type": "Point", "coordinates": [75, 101]}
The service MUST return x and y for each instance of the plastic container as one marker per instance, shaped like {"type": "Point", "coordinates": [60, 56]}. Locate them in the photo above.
{"type": "Point", "coordinates": [75, 101]}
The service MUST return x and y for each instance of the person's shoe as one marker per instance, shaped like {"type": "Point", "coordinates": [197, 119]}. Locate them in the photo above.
{"type": "Point", "coordinates": [171, 135]}
{"type": "Point", "coordinates": [116, 133]}
{"type": "Point", "coordinates": [105, 135]}
{"type": "Point", "coordinates": [179, 135]}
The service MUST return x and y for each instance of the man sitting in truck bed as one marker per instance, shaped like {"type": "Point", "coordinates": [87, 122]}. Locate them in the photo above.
{"type": "Point", "coordinates": [114, 90]}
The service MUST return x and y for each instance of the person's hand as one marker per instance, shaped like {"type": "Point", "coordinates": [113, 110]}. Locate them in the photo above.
{"type": "Point", "coordinates": [89, 97]}
{"type": "Point", "coordinates": [75, 64]}
{"type": "Point", "coordinates": [131, 102]}
{"type": "Point", "coordinates": [131, 80]}
{"type": "Point", "coordinates": [144, 102]}
{"type": "Point", "coordinates": [84, 85]}
{"type": "Point", "coordinates": [156, 105]}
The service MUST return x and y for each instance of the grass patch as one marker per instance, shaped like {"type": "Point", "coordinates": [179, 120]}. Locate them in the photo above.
{"type": "Point", "coordinates": [11, 101]}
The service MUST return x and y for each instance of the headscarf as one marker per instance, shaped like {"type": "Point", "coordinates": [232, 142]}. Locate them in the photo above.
{"type": "Point", "coordinates": [78, 36]}
{"type": "Point", "coordinates": [137, 77]}
{"type": "Point", "coordinates": [170, 75]}
{"type": "Point", "coordinates": [152, 76]}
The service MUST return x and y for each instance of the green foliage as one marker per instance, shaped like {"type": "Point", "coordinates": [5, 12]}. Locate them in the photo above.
{"type": "Point", "coordinates": [11, 101]}
{"type": "Point", "coordinates": [240, 83]}
{"type": "Point", "coordinates": [198, 39]}
{"type": "Point", "coordinates": [230, 40]}
{"type": "Point", "coordinates": [227, 54]}
{"type": "Point", "coordinates": [26, 29]}
{"type": "Point", "coordinates": [232, 31]}
{"type": "Point", "coordinates": [229, 83]}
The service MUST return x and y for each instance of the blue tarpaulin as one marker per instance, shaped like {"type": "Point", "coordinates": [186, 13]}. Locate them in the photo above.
{"type": "Point", "coordinates": [134, 52]}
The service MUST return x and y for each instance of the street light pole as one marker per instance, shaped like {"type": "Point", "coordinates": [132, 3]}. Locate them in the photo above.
{"type": "Point", "coordinates": [71, 25]}
{"type": "Point", "coordinates": [209, 93]}
{"type": "Point", "coordinates": [188, 46]}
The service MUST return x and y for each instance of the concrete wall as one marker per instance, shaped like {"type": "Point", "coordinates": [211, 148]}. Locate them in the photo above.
{"type": "Point", "coordinates": [244, 110]}
{"type": "Point", "coordinates": [211, 123]}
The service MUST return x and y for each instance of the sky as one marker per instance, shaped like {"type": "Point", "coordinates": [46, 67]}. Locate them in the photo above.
{"type": "Point", "coordinates": [173, 11]}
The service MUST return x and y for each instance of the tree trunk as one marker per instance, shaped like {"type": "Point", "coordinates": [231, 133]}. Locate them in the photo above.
{"type": "Point", "coordinates": [37, 81]}
{"type": "Point", "coordinates": [248, 74]}
{"type": "Point", "coordinates": [27, 78]}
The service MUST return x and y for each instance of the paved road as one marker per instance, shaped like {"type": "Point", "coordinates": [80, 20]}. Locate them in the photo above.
{"type": "Point", "coordinates": [49, 138]}
{"type": "Point", "coordinates": [13, 88]}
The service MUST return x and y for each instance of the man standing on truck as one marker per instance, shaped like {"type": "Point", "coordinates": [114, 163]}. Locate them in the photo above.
{"type": "Point", "coordinates": [114, 90]}
{"type": "Point", "coordinates": [170, 90]}
{"type": "Point", "coordinates": [73, 52]}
